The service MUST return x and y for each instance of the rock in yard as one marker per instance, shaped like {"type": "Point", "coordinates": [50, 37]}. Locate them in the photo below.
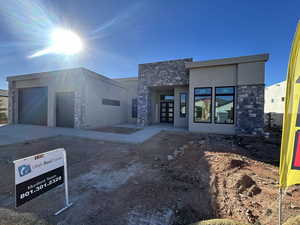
{"type": "Point", "coordinates": [244, 183]}
{"type": "Point", "coordinates": [237, 163]}
{"type": "Point", "coordinates": [191, 142]}
{"type": "Point", "coordinates": [254, 190]}
{"type": "Point", "coordinates": [268, 212]}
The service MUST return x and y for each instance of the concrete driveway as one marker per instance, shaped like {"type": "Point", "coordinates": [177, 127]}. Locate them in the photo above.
{"type": "Point", "coordinates": [11, 134]}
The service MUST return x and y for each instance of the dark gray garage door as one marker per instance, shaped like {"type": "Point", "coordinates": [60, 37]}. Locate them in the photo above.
{"type": "Point", "coordinates": [33, 105]}
{"type": "Point", "coordinates": [65, 106]}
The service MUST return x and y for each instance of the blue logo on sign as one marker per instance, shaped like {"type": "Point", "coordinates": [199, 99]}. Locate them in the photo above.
{"type": "Point", "coordinates": [24, 170]}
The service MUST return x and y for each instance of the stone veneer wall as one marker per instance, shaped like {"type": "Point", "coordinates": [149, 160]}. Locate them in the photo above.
{"type": "Point", "coordinates": [250, 109]}
{"type": "Point", "coordinates": [166, 73]}
{"type": "Point", "coordinates": [12, 102]}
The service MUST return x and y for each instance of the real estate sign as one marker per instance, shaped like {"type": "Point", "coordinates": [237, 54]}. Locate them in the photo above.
{"type": "Point", "coordinates": [38, 174]}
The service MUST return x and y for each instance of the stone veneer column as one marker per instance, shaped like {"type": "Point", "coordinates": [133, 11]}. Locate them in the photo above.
{"type": "Point", "coordinates": [158, 74]}
{"type": "Point", "coordinates": [12, 103]}
{"type": "Point", "coordinates": [80, 106]}
{"type": "Point", "coordinates": [250, 109]}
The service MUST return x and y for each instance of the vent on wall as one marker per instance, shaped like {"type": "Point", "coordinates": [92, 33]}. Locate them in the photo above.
{"type": "Point", "coordinates": [112, 102]}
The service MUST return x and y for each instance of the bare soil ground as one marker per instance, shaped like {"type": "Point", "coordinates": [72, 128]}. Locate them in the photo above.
{"type": "Point", "coordinates": [117, 130]}
{"type": "Point", "coordinates": [173, 178]}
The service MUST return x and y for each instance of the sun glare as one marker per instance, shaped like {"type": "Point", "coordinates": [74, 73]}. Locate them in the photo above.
{"type": "Point", "coordinates": [62, 41]}
{"type": "Point", "coordinates": [65, 42]}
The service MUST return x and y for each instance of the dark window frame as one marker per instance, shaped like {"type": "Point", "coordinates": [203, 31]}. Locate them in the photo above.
{"type": "Point", "coordinates": [134, 108]}
{"type": "Point", "coordinates": [233, 94]}
{"type": "Point", "coordinates": [211, 103]}
{"type": "Point", "coordinates": [183, 115]}
{"type": "Point", "coordinates": [111, 102]}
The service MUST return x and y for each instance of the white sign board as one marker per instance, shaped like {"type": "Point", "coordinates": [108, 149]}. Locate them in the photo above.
{"type": "Point", "coordinates": [38, 174]}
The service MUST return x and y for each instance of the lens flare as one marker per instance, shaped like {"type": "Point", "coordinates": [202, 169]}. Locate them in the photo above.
{"type": "Point", "coordinates": [62, 42]}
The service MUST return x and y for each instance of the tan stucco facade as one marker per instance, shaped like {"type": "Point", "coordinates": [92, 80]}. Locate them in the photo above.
{"type": "Point", "coordinates": [89, 90]}
{"type": "Point", "coordinates": [234, 72]}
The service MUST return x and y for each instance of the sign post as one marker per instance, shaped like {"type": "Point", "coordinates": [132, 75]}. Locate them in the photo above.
{"type": "Point", "coordinates": [68, 204]}
{"type": "Point", "coordinates": [40, 173]}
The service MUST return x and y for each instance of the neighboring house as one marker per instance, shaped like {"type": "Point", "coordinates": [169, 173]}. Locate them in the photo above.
{"type": "Point", "coordinates": [274, 103]}
{"type": "Point", "coordinates": [3, 106]}
{"type": "Point", "coordinates": [217, 96]}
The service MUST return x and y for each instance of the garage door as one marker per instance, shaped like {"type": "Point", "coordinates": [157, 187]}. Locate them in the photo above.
{"type": "Point", "coordinates": [65, 109]}
{"type": "Point", "coordinates": [33, 105]}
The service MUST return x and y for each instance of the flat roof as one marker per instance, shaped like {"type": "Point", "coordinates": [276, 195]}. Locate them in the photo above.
{"type": "Point", "coordinates": [228, 61]}
{"type": "Point", "coordinates": [48, 74]}
{"type": "Point", "coordinates": [41, 74]}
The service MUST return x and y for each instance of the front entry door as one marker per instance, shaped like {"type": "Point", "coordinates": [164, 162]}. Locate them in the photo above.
{"type": "Point", "coordinates": [166, 112]}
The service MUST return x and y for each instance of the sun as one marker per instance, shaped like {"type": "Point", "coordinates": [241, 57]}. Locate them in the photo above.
{"type": "Point", "coordinates": [65, 42]}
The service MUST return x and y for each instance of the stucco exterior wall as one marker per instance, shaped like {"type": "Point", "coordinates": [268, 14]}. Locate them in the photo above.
{"type": "Point", "coordinates": [180, 121]}
{"type": "Point", "coordinates": [59, 82]}
{"type": "Point", "coordinates": [131, 84]}
{"type": "Point", "coordinates": [248, 80]}
{"type": "Point", "coordinates": [99, 114]}
{"type": "Point", "coordinates": [251, 73]}
{"type": "Point", "coordinates": [217, 76]}
{"type": "Point", "coordinates": [165, 73]}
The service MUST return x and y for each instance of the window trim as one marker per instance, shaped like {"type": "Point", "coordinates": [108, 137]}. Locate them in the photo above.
{"type": "Point", "coordinates": [233, 94]}
{"type": "Point", "coordinates": [186, 99]}
{"type": "Point", "coordinates": [211, 99]}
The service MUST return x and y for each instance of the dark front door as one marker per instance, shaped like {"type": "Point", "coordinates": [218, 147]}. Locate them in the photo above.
{"type": "Point", "coordinates": [65, 106]}
{"type": "Point", "coordinates": [33, 105]}
{"type": "Point", "coordinates": [166, 112]}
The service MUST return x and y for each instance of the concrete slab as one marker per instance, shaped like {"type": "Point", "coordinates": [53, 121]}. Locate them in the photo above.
{"type": "Point", "coordinates": [11, 134]}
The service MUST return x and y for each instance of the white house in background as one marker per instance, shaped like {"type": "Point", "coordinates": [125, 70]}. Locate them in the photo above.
{"type": "Point", "coordinates": [275, 101]}
{"type": "Point", "coordinates": [275, 98]}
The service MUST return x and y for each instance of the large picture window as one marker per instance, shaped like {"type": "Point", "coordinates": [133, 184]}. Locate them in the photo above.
{"type": "Point", "coordinates": [183, 103]}
{"type": "Point", "coordinates": [224, 105]}
{"type": "Point", "coordinates": [202, 105]}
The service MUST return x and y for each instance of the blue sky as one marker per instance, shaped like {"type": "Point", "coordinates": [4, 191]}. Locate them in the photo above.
{"type": "Point", "coordinates": [118, 35]}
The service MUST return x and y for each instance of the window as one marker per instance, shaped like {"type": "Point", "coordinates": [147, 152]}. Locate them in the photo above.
{"type": "Point", "coordinates": [182, 103]}
{"type": "Point", "coordinates": [224, 105]}
{"type": "Point", "coordinates": [134, 108]}
{"type": "Point", "coordinates": [167, 97]}
{"type": "Point", "coordinates": [202, 105]}
{"type": "Point", "coordinates": [112, 102]}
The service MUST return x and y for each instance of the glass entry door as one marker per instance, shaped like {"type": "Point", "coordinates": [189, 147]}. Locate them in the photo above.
{"type": "Point", "coordinates": [166, 112]}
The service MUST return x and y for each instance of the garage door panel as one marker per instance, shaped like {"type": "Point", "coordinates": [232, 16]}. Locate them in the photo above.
{"type": "Point", "coordinates": [33, 105]}
{"type": "Point", "coordinates": [65, 107]}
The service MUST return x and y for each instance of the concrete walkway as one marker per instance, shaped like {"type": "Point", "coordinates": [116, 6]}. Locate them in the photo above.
{"type": "Point", "coordinates": [11, 134]}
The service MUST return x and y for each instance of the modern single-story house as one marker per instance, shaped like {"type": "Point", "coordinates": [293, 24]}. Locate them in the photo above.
{"type": "Point", "coordinates": [217, 96]}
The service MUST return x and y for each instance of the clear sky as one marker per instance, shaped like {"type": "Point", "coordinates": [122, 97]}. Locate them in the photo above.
{"type": "Point", "coordinates": [118, 35]}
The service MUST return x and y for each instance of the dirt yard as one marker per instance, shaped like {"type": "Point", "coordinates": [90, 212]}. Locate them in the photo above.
{"type": "Point", "coordinates": [175, 178]}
